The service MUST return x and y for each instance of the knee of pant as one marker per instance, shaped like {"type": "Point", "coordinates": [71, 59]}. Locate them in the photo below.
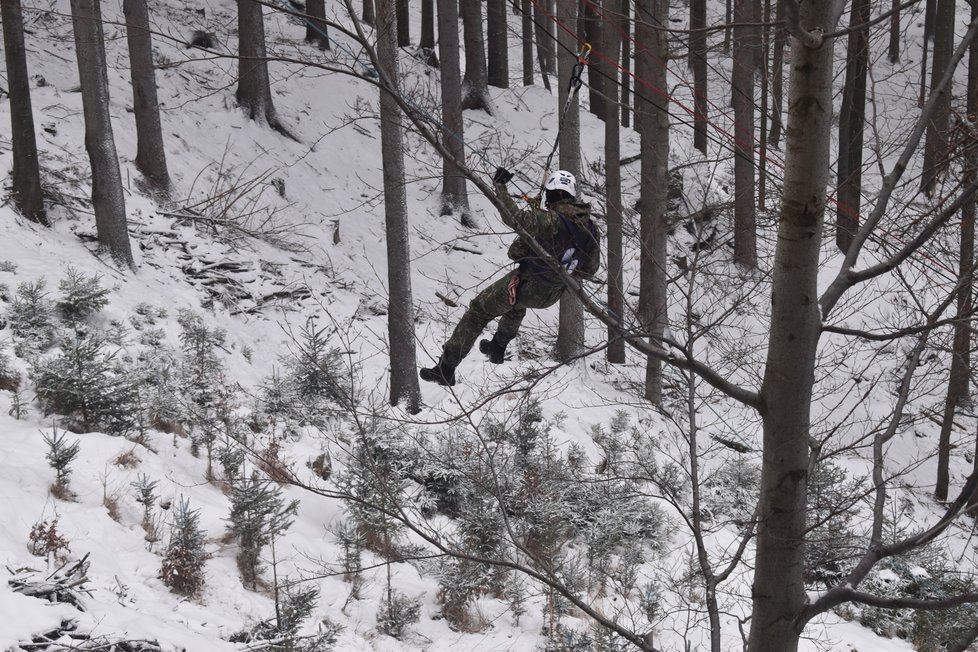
{"type": "Point", "coordinates": [481, 309]}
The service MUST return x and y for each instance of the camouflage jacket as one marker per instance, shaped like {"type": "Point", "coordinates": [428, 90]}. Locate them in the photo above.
{"type": "Point", "coordinates": [548, 229]}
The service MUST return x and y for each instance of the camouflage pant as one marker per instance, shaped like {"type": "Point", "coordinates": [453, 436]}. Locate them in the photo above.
{"type": "Point", "coordinates": [493, 302]}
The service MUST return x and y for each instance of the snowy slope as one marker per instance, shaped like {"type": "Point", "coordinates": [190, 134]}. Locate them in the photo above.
{"type": "Point", "coordinates": [331, 212]}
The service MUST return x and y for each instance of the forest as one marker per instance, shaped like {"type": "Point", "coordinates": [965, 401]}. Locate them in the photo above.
{"type": "Point", "coordinates": [234, 232]}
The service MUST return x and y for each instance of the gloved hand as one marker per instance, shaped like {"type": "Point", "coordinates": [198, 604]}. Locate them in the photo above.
{"type": "Point", "coordinates": [502, 175]}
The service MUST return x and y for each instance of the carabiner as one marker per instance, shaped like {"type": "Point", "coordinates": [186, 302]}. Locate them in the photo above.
{"type": "Point", "coordinates": [584, 54]}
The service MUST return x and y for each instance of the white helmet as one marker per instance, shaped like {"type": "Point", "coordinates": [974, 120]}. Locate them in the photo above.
{"type": "Point", "coordinates": [562, 180]}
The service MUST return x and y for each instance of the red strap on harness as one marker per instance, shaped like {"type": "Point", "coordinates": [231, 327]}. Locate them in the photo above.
{"type": "Point", "coordinates": [511, 287]}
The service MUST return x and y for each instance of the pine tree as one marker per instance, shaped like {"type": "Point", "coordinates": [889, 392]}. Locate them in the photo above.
{"type": "Point", "coordinates": [183, 563]}
{"type": "Point", "coordinates": [81, 296]}
{"type": "Point", "coordinates": [202, 382]}
{"type": "Point", "coordinates": [87, 384]}
{"type": "Point", "coordinates": [31, 319]}
{"type": "Point", "coordinates": [314, 369]}
{"type": "Point", "coordinates": [259, 514]}
{"type": "Point", "coordinates": [60, 456]}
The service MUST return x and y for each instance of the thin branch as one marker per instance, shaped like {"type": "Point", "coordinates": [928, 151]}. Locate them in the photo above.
{"type": "Point", "coordinates": [892, 335]}
{"type": "Point", "coordinates": [845, 278]}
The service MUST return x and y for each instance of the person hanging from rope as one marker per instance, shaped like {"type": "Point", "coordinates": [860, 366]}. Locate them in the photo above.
{"type": "Point", "coordinates": [565, 230]}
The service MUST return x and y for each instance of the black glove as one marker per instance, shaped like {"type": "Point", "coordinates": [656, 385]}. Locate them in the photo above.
{"type": "Point", "coordinates": [502, 175]}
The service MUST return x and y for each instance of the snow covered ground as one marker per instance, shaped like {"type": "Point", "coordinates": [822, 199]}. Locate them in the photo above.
{"type": "Point", "coordinates": [329, 203]}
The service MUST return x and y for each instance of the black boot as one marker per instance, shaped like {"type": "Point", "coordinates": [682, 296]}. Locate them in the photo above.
{"type": "Point", "coordinates": [440, 373]}
{"type": "Point", "coordinates": [495, 351]}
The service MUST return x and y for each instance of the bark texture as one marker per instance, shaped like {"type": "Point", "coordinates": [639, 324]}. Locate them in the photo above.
{"type": "Point", "coordinates": [254, 92]}
{"type": "Point", "coordinates": [742, 96]}
{"type": "Point", "coordinates": [475, 83]}
{"type": "Point", "coordinates": [526, 10]}
{"type": "Point", "coordinates": [786, 391]}
{"type": "Point", "coordinates": [454, 199]}
{"type": "Point", "coordinates": [107, 196]}
{"type": "Point", "coordinates": [697, 62]}
{"type": "Point", "coordinates": [400, 315]}
{"type": "Point", "coordinates": [852, 118]}
{"type": "Point", "coordinates": [936, 148]}
{"type": "Point", "coordinates": [150, 151]}
{"type": "Point", "coordinates": [26, 168]}
{"type": "Point", "coordinates": [316, 24]}
{"type": "Point", "coordinates": [570, 331]}
{"type": "Point", "coordinates": [652, 122]}
{"type": "Point", "coordinates": [613, 208]}
{"type": "Point", "coordinates": [498, 43]}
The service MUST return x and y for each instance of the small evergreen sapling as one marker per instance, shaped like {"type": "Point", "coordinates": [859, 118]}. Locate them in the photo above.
{"type": "Point", "coordinates": [146, 496]}
{"type": "Point", "coordinates": [81, 296]}
{"type": "Point", "coordinates": [183, 563]}
{"type": "Point", "coordinates": [282, 633]}
{"type": "Point", "coordinates": [9, 377]}
{"type": "Point", "coordinates": [259, 514]}
{"type": "Point", "coordinates": [397, 613]}
{"type": "Point", "coordinates": [60, 456]}
{"type": "Point", "coordinates": [314, 369]}
{"type": "Point", "coordinates": [374, 480]}
{"type": "Point", "coordinates": [31, 319]}
{"type": "Point", "coordinates": [208, 401]}
{"type": "Point", "coordinates": [87, 384]}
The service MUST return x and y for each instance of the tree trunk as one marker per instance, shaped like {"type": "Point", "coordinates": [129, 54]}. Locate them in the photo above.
{"type": "Point", "coordinates": [894, 50]}
{"type": "Point", "coordinates": [570, 332]}
{"type": "Point", "coordinates": [591, 28]}
{"type": "Point", "coordinates": [958, 381]}
{"type": "Point", "coordinates": [107, 196]}
{"type": "Point", "coordinates": [728, 31]}
{"type": "Point", "coordinates": [254, 93]}
{"type": "Point", "coordinates": [316, 23]}
{"type": "Point", "coordinates": [369, 17]}
{"type": "Point", "coordinates": [745, 215]}
{"type": "Point", "coordinates": [526, 9]}
{"type": "Point", "coordinates": [612, 158]}
{"type": "Point", "coordinates": [498, 43]}
{"type": "Point", "coordinates": [403, 23]}
{"type": "Point", "coordinates": [786, 391]}
{"type": "Point", "coordinates": [545, 44]}
{"type": "Point", "coordinates": [957, 385]}
{"type": "Point", "coordinates": [652, 122]}
{"type": "Point", "coordinates": [400, 315]}
{"type": "Point", "coordinates": [929, 13]}
{"type": "Point", "coordinates": [475, 84]}
{"type": "Point", "coordinates": [150, 152]}
{"type": "Point", "coordinates": [971, 105]}
{"type": "Point", "coordinates": [453, 196]}
{"type": "Point", "coordinates": [697, 62]}
{"type": "Point", "coordinates": [762, 129]}
{"type": "Point", "coordinates": [626, 65]}
{"type": "Point", "coordinates": [26, 169]}
{"type": "Point", "coordinates": [427, 42]}
{"type": "Point", "coordinates": [936, 148]}
{"type": "Point", "coordinates": [777, 76]}
{"type": "Point", "coordinates": [852, 118]}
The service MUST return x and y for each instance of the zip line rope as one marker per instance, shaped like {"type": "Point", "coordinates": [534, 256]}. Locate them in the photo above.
{"type": "Point", "coordinates": [939, 265]}
{"type": "Point", "coordinates": [576, 82]}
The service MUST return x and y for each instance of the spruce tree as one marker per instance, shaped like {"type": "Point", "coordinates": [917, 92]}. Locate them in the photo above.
{"type": "Point", "coordinates": [259, 514]}
{"type": "Point", "coordinates": [31, 318]}
{"type": "Point", "coordinates": [60, 455]}
{"type": "Point", "coordinates": [81, 296]}
{"type": "Point", "coordinates": [183, 563]}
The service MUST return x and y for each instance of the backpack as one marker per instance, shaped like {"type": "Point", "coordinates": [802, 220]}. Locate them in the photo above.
{"type": "Point", "coordinates": [578, 244]}
{"type": "Point", "coordinates": [571, 247]}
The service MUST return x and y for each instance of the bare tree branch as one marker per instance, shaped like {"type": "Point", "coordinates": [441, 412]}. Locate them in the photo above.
{"type": "Point", "coordinates": [846, 278]}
